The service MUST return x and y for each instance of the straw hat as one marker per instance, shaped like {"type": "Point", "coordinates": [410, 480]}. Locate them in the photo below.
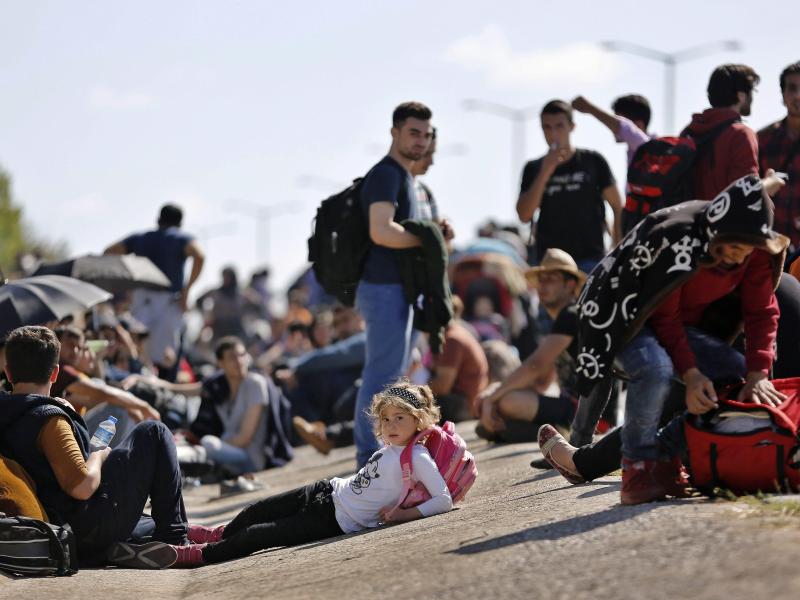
{"type": "Point", "coordinates": [556, 260]}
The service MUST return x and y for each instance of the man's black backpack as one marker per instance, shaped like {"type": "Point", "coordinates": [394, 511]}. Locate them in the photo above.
{"type": "Point", "coordinates": [338, 246]}
{"type": "Point", "coordinates": [660, 174]}
{"type": "Point", "coordinates": [33, 547]}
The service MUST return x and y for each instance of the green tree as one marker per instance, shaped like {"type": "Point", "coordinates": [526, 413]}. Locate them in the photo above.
{"type": "Point", "coordinates": [16, 238]}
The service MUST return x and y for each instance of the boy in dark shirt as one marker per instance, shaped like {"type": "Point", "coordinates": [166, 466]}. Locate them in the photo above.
{"type": "Point", "coordinates": [568, 186]}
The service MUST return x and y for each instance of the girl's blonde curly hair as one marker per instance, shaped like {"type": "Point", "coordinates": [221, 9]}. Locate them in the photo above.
{"type": "Point", "coordinates": [417, 400]}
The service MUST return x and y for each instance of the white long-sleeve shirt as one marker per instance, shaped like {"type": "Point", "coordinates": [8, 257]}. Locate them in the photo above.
{"type": "Point", "coordinates": [378, 484]}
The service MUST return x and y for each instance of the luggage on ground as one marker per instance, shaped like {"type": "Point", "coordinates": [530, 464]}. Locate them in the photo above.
{"type": "Point", "coordinates": [746, 448]}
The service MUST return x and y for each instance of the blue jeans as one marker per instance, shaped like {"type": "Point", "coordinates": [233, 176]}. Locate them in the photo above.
{"type": "Point", "coordinates": [388, 319]}
{"type": "Point", "coordinates": [236, 459]}
{"type": "Point", "coordinates": [651, 371]}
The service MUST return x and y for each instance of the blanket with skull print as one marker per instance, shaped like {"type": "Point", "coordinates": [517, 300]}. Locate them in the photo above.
{"type": "Point", "coordinates": [656, 257]}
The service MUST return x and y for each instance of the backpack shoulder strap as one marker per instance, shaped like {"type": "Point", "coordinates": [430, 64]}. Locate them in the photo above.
{"type": "Point", "coordinates": [711, 134]}
{"type": "Point", "coordinates": [406, 466]}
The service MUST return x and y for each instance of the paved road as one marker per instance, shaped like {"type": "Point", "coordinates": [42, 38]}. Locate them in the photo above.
{"type": "Point", "coordinates": [521, 533]}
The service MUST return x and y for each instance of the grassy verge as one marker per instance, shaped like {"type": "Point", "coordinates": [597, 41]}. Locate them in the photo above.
{"type": "Point", "coordinates": [777, 510]}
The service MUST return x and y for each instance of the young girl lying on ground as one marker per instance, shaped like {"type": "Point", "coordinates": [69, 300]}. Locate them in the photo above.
{"type": "Point", "coordinates": [326, 509]}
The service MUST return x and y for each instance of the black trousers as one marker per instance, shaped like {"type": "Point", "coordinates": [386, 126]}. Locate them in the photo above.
{"type": "Point", "coordinates": [305, 514]}
{"type": "Point", "coordinates": [454, 407]}
{"type": "Point", "coordinates": [555, 410]}
{"type": "Point", "coordinates": [145, 464]}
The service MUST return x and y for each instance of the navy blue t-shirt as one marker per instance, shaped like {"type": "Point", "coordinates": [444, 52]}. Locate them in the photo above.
{"type": "Point", "coordinates": [166, 248]}
{"type": "Point", "coordinates": [387, 181]}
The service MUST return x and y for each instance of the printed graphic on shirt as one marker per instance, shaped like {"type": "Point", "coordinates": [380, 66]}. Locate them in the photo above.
{"type": "Point", "coordinates": [570, 182]}
{"type": "Point", "coordinates": [365, 476]}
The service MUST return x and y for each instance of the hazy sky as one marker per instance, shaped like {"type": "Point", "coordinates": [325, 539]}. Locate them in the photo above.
{"type": "Point", "coordinates": [110, 109]}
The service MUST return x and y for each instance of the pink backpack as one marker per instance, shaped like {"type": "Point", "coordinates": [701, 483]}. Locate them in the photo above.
{"type": "Point", "coordinates": [455, 463]}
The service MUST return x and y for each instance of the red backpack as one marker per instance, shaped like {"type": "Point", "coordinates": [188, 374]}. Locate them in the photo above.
{"type": "Point", "coordinates": [746, 448]}
{"type": "Point", "coordinates": [454, 461]}
{"type": "Point", "coordinates": [659, 173]}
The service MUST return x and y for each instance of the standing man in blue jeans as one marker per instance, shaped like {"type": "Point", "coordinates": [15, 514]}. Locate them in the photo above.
{"type": "Point", "coordinates": [387, 199]}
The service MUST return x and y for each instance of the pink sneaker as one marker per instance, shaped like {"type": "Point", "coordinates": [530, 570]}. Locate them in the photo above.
{"type": "Point", "coordinates": [200, 534]}
{"type": "Point", "coordinates": [189, 556]}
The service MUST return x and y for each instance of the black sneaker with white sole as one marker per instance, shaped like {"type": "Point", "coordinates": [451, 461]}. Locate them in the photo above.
{"type": "Point", "coordinates": [152, 555]}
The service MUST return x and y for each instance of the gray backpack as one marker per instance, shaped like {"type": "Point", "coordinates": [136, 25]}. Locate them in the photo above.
{"type": "Point", "coordinates": [32, 547]}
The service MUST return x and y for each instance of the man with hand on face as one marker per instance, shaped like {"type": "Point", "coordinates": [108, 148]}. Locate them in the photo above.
{"type": "Point", "coordinates": [388, 198]}
{"type": "Point", "coordinates": [569, 187]}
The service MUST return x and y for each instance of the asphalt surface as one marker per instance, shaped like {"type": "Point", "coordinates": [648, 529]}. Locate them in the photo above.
{"type": "Point", "coordinates": [520, 533]}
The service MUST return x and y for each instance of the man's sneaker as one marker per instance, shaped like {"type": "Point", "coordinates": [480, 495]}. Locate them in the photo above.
{"type": "Point", "coordinates": [200, 534]}
{"type": "Point", "coordinates": [639, 482]}
{"type": "Point", "coordinates": [485, 434]}
{"type": "Point", "coordinates": [189, 556]}
{"type": "Point", "coordinates": [152, 555]}
{"type": "Point", "coordinates": [240, 485]}
{"type": "Point", "coordinates": [549, 438]}
{"type": "Point", "coordinates": [673, 477]}
{"type": "Point", "coordinates": [541, 463]}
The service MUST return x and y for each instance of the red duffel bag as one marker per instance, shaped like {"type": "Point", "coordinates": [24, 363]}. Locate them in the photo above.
{"type": "Point", "coordinates": [746, 448]}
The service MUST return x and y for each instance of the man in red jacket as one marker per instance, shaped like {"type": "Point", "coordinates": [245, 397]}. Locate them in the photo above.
{"type": "Point", "coordinates": [732, 151]}
{"type": "Point", "coordinates": [672, 338]}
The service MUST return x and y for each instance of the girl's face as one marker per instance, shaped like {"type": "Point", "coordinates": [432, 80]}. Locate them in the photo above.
{"type": "Point", "coordinates": [398, 427]}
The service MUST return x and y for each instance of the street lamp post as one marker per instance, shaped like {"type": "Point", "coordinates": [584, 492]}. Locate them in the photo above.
{"type": "Point", "coordinates": [518, 118]}
{"type": "Point", "coordinates": [319, 182]}
{"type": "Point", "coordinates": [263, 216]}
{"type": "Point", "coordinates": [207, 232]}
{"type": "Point", "coordinates": [670, 61]}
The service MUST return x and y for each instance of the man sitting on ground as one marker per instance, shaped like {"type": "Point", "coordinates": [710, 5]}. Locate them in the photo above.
{"type": "Point", "coordinates": [513, 409]}
{"type": "Point", "coordinates": [460, 372]}
{"type": "Point", "coordinates": [316, 380]}
{"type": "Point", "coordinates": [239, 397]}
{"type": "Point", "coordinates": [101, 494]}
{"type": "Point", "coordinates": [92, 396]}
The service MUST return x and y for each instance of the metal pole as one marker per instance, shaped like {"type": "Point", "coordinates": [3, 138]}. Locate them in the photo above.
{"type": "Point", "coordinates": [669, 96]}
{"type": "Point", "coordinates": [262, 241]}
{"type": "Point", "coordinates": [517, 148]}
{"type": "Point", "coordinates": [518, 118]}
{"type": "Point", "coordinates": [670, 62]}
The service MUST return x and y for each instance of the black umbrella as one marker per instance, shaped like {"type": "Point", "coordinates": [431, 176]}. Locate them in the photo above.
{"type": "Point", "coordinates": [37, 300]}
{"type": "Point", "coordinates": [111, 271]}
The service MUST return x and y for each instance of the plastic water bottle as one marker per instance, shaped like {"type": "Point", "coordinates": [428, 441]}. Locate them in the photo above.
{"type": "Point", "coordinates": [102, 437]}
